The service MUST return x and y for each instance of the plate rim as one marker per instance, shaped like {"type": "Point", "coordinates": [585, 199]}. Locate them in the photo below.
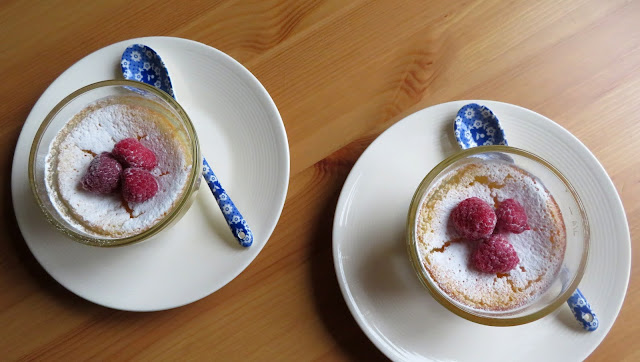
{"type": "Point", "coordinates": [349, 184]}
{"type": "Point", "coordinates": [230, 61]}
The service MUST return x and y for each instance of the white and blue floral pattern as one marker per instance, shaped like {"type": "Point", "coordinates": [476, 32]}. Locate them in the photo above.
{"type": "Point", "coordinates": [141, 63]}
{"type": "Point", "coordinates": [236, 222]}
{"type": "Point", "coordinates": [582, 311]}
{"type": "Point", "coordinates": [476, 125]}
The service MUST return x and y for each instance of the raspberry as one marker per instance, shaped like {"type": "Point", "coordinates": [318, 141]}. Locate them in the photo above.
{"type": "Point", "coordinates": [511, 217]}
{"type": "Point", "coordinates": [495, 255]}
{"type": "Point", "coordinates": [138, 185]}
{"type": "Point", "coordinates": [473, 218]}
{"type": "Point", "coordinates": [103, 174]}
{"type": "Point", "coordinates": [131, 153]}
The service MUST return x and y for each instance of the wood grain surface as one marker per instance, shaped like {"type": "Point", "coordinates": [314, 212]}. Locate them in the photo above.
{"type": "Point", "coordinates": [340, 72]}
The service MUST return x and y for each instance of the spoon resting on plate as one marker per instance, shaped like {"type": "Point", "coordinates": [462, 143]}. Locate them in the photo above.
{"type": "Point", "coordinates": [143, 64]}
{"type": "Point", "coordinates": [476, 125]}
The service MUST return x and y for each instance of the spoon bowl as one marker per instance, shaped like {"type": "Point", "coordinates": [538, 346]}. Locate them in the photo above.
{"type": "Point", "coordinates": [476, 125]}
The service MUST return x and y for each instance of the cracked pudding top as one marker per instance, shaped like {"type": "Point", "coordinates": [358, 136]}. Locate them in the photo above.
{"type": "Point", "coordinates": [96, 129]}
{"type": "Point", "coordinates": [445, 255]}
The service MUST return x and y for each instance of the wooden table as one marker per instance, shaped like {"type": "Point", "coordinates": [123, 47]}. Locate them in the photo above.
{"type": "Point", "coordinates": [340, 72]}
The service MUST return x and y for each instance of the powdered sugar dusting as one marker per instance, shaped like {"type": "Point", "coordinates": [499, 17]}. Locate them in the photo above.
{"type": "Point", "coordinates": [96, 129]}
{"type": "Point", "coordinates": [446, 256]}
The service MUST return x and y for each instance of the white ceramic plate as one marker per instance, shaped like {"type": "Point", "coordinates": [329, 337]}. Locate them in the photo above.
{"type": "Point", "coordinates": [378, 282]}
{"type": "Point", "coordinates": [243, 138]}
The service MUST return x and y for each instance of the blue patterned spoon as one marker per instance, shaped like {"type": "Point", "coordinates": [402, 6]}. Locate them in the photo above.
{"type": "Point", "coordinates": [143, 64]}
{"type": "Point", "coordinates": [476, 125]}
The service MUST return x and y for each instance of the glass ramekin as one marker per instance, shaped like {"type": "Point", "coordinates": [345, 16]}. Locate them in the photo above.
{"type": "Point", "coordinates": [132, 92]}
{"type": "Point", "coordinates": [576, 224]}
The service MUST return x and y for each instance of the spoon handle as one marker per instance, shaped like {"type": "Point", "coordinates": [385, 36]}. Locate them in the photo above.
{"type": "Point", "coordinates": [582, 311]}
{"type": "Point", "coordinates": [236, 221]}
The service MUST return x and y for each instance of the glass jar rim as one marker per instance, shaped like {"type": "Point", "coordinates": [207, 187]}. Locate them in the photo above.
{"type": "Point", "coordinates": [435, 291]}
{"type": "Point", "coordinates": [192, 180]}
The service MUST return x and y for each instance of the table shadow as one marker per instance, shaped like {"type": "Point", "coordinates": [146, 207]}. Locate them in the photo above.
{"type": "Point", "coordinates": [329, 303]}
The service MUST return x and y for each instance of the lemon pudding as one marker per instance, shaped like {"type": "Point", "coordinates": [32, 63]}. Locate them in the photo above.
{"type": "Point", "coordinates": [94, 131]}
{"type": "Point", "coordinates": [446, 255]}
